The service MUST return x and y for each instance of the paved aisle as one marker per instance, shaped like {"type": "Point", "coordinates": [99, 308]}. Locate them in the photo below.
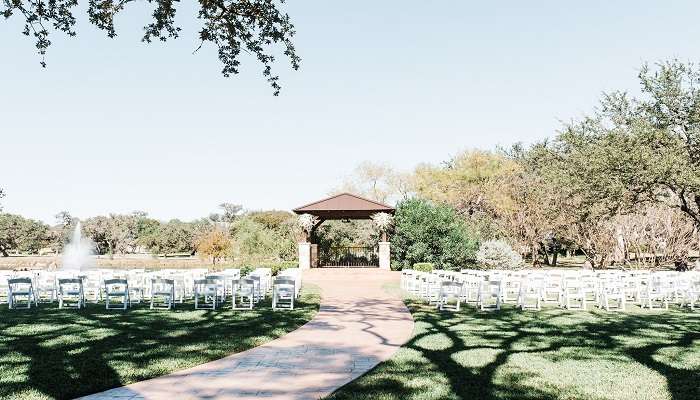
{"type": "Point", "coordinates": [358, 326]}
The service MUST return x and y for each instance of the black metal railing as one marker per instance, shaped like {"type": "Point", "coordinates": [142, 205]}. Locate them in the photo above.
{"type": "Point", "coordinates": [349, 256]}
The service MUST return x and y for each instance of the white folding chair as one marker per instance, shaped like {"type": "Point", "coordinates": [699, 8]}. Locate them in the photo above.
{"type": "Point", "coordinates": [431, 288]}
{"type": "Point", "coordinates": [470, 288]}
{"type": "Point", "coordinates": [92, 286]}
{"type": "Point", "coordinates": [449, 291]}
{"type": "Point", "coordinates": [46, 287]}
{"type": "Point", "coordinates": [180, 282]}
{"type": "Point", "coordinates": [163, 290]}
{"type": "Point", "coordinates": [70, 290]}
{"type": "Point", "coordinates": [574, 293]}
{"type": "Point", "coordinates": [116, 294]}
{"type": "Point", "coordinates": [632, 287]}
{"type": "Point", "coordinates": [590, 288]}
{"type": "Point", "coordinates": [257, 292]}
{"type": "Point", "coordinates": [490, 295]}
{"type": "Point", "coordinates": [220, 281]}
{"type": "Point", "coordinates": [265, 275]}
{"type": "Point", "coordinates": [531, 291]}
{"type": "Point", "coordinates": [293, 273]}
{"type": "Point", "coordinates": [243, 292]}
{"type": "Point", "coordinates": [208, 290]}
{"type": "Point", "coordinates": [18, 289]}
{"type": "Point", "coordinates": [283, 293]}
{"type": "Point", "coordinates": [137, 286]}
{"type": "Point", "coordinates": [553, 288]}
{"type": "Point", "coordinates": [612, 290]}
{"type": "Point", "coordinates": [511, 288]}
{"type": "Point", "coordinates": [406, 276]}
{"type": "Point", "coordinates": [231, 274]}
{"type": "Point", "coordinates": [659, 291]}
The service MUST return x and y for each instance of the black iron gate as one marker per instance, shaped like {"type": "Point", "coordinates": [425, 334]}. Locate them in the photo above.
{"type": "Point", "coordinates": [349, 256]}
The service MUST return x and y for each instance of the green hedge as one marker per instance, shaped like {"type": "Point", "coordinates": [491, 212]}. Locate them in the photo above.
{"type": "Point", "coordinates": [424, 267]}
{"type": "Point", "coordinates": [276, 267]}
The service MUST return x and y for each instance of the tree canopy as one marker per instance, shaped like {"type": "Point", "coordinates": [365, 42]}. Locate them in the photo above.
{"type": "Point", "coordinates": [637, 150]}
{"type": "Point", "coordinates": [257, 27]}
{"type": "Point", "coordinates": [21, 234]}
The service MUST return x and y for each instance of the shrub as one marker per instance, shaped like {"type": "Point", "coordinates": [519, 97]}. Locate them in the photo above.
{"type": "Point", "coordinates": [425, 232]}
{"type": "Point", "coordinates": [424, 267]}
{"type": "Point", "coordinates": [284, 265]}
{"type": "Point", "coordinates": [253, 243]}
{"type": "Point", "coordinates": [275, 266]}
{"type": "Point", "coordinates": [497, 254]}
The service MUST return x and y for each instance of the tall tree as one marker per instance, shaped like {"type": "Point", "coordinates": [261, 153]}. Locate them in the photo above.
{"type": "Point", "coordinates": [64, 218]}
{"type": "Point", "coordinates": [172, 237]}
{"type": "Point", "coordinates": [21, 234]}
{"type": "Point", "coordinates": [638, 150]}
{"type": "Point", "coordinates": [465, 181]}
{"type": "Point", "coordinates": [230, 211]}
{"type": "Point", "coordinates": [114, 234]}
{"type": "Point", "coordinates": [257, 27]}
{"type": "Point", "coordinates": [379, 182]}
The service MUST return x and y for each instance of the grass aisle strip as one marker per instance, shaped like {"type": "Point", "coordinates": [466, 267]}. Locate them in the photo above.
{"type": "Point", "coordinates": [47, 353]}
{"type": "Point", "coordinates": [550, 354]}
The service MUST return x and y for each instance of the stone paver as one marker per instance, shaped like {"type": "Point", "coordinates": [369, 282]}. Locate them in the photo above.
{"type": "Point", "coordinates": [358, 326]}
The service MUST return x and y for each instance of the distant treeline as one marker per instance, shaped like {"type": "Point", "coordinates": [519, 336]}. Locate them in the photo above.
{"type": "Point", "coordinates": [252, 235]}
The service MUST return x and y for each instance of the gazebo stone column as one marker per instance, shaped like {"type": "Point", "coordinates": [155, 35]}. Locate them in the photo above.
{"type": "Point", "coordinates": [304, 255]}
{"type": "Point", "coordinates": [385, 256]}
{"type": "Point", "coordinates": [314, 255]}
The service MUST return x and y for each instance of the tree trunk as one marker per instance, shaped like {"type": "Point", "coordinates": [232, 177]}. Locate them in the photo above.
{"type": "Point", "coordinates": [554, 258]}
{"type": "Point", "coordinates": [546, 254]}
{"type": "Point", "coordinates": [4, 252]}
{"type": "Point", "coordinates": [534, 255]}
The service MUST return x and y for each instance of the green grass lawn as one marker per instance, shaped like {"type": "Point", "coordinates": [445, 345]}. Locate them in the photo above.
{"type": "Point", "coordinates": [47, 353]}
{"type": "Point", "coordinates": [550, 354]}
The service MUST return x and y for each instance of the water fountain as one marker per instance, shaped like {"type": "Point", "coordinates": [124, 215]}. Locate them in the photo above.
{"type": "Point", "coordinates": [77, 253]}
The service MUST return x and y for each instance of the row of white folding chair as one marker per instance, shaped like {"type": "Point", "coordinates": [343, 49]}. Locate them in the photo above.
{"type": "Point", "coordinates": [504, 286]}
{"type": "Point", "coordinates": [67, 290]}
{"type": "Point", "coordinates": [574, 289]}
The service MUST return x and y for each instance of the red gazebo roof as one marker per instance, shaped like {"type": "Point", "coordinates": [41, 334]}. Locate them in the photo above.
{"type": "Point", "coordinates": [344, 206]}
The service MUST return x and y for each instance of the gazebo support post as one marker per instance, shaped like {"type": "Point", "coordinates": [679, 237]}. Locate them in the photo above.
{"type": "Point", "coordinates": [304, 255]}
{"type": "Point", "coordinates": [385, 255]}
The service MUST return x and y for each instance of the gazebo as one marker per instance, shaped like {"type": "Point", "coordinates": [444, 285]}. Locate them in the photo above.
{"type": "Point", "coordinates": [344, 206]}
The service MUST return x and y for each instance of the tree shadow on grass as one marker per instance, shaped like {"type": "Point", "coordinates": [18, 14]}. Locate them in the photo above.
{"type": "Point", "coordinates": [63, 354]}
{"type": "Point", "coordinates": [470, 354]}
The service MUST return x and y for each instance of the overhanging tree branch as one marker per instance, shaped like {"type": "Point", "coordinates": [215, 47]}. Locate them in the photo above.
{"type": "Point", "coordinates": [257, 27]}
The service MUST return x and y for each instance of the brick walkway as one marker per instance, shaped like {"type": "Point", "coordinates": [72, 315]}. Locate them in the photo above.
{"type": "Point", "coordinates": [358, 326]}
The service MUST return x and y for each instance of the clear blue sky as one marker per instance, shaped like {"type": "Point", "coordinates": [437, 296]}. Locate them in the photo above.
{"type": "Point", "coordinates": [117, 125]}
